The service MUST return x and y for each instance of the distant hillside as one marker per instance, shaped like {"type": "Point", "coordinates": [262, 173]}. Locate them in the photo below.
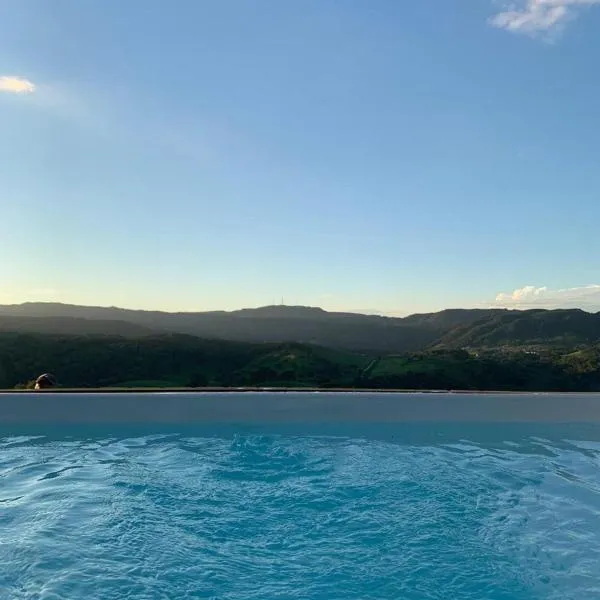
{"type": "Point", "coordinates": [446, 320]}
{"type": "Point", "coordinates": [171, 360]}
{"type": "Point", "coordinates": [531, 327]}
{"type": "Point", "coordinates": [73, 326]}
{"type": "Point", "coordinates": [175, 360]}
{"type": "Point", "coordinates": [272, 324]}
{"type": "Point", "coordinates": [456, 328]}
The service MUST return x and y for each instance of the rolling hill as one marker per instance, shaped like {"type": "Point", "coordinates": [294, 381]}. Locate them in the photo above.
{"type": "Point", "coordinates": [518, 328]}
{"type": "Point", "coordinates": [272, 324]}
{"type": "Point", "coordinates": [73, 326]}
{"type": "Point", "coordinates": [456, 328]}
{"type": "Point", "coordinates": [177, 360]}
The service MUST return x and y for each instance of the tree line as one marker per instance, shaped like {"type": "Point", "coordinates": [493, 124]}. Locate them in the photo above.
{"type": "Point", "coordinates": [176, 360]}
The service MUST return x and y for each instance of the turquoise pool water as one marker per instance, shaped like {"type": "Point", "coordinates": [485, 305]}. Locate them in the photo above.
{"type": "Point", "coordinates": [428, 511]}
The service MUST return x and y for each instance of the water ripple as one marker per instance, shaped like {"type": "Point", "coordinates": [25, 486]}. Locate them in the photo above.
{"type": "Point", "coordinates": [252, 515]}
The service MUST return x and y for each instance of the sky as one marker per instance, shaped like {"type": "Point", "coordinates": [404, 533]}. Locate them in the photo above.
{"type": "Point", "coordinates": [375, 156]}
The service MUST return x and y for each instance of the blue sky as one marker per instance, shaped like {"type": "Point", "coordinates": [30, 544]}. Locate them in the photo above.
{"type": "Point", "coordinates": [389, 156]}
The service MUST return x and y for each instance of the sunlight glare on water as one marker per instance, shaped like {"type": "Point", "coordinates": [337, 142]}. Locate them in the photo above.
{"type": "Point", "coordinates": [248, 515]}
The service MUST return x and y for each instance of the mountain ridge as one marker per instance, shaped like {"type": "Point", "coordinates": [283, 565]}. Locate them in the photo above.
{"type": "Point", "coordinates": [66, 309]}
{"type": "Point", "coordinates": [450, 328]}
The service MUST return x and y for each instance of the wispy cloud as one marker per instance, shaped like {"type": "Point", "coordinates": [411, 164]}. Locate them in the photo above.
{"type": "Point", "coordinates": [16, 85]}
{"type": "Point", "coordinates": [112, 115]}
{"type": "Point", "coordinates": [45, 294]}
{"type": "Point", "coordinates": [586, 297]}
{"type": "Point", "coordinates": [79, 105]}
{"type": "Point", "coordinates": [538, 16]}
{"type": "Point", "coordinates": [17, 295]}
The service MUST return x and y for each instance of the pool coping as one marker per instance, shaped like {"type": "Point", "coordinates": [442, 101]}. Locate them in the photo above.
{"type": "Point", "coordinates": [324, 406]}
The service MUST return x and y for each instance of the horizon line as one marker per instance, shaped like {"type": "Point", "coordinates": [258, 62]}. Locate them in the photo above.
{"type": "Point", "coordinates": [363, 312]}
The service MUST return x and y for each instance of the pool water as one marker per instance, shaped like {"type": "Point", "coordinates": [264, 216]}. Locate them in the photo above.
{"type": "Point", "coordinates": [429, 511]}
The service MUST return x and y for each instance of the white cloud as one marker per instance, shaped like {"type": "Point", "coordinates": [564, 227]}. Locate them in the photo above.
{"type": "Point", "coordinates": [586, 297]}
{"type": "Point", "coordinates": [16, 85]}
{"type": "Point", "coordinates": [538, 16]}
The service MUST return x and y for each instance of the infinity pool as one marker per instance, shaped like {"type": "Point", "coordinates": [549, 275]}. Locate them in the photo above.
{"type": "Point", "coordinates": [400, 511]}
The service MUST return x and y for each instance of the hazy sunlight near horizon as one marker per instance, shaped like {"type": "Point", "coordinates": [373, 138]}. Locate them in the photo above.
{"type": "Point", "coordinates": [380, 157]}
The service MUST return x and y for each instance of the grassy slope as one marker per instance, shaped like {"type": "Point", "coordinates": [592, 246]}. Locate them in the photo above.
{"type": "Point", "coordinates": [171, 360]}
{"type": "Point", "coordinates": [180, 360]}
